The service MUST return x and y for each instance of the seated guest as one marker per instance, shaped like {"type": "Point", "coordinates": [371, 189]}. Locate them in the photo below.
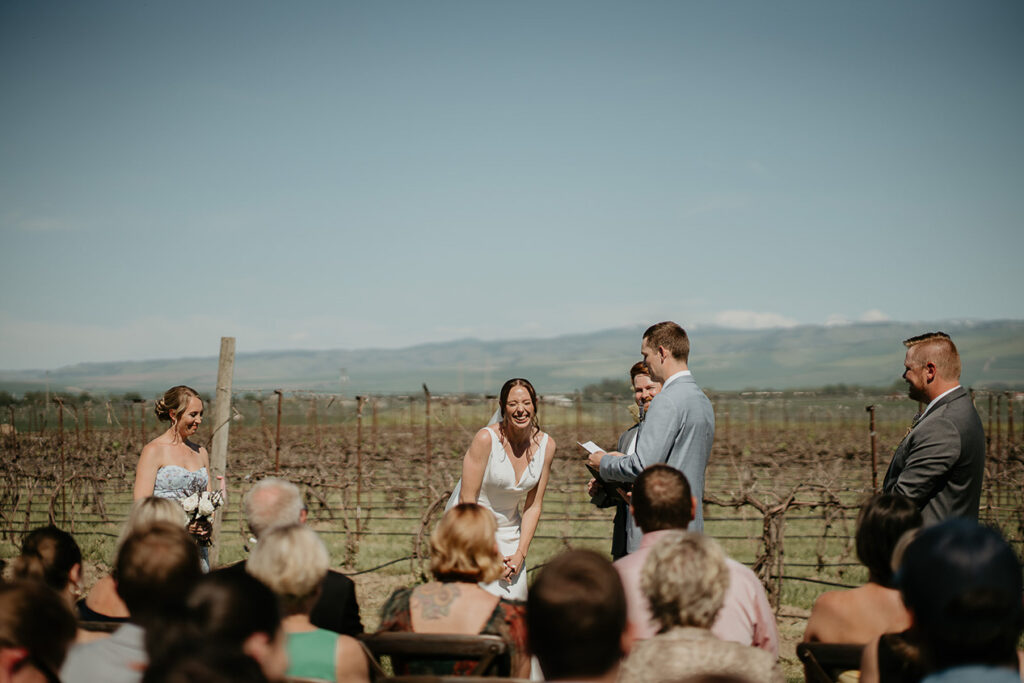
{"type": "Point", "coordinates": [861, 614]}
{"type": "Point", "coordinates": [894, 657]}
{"type": "Point", "coordinates": [232, 613]}
{"type": "Point", "coordinates": [576, 618]}
{"type": "Point", "coordinates": [102, 602]}
{"type": "Point", "coordinates": [156, 567]}
{"type": "Point", "coordinates": [462, 555]}
{"type": "Point", "coordinates": [685, 579]}
{"type": "Point", "coordinates": [273, 502]}
{"type": "Point", "coordinates": [292, 561]}
{"type": "Point", "coordinates": [208, 663]}
{"type": "Point", "coordinates": [36, 629]}
{"type": "Point", "coordinates": [962, 584]}
{"type": "Point", "coordinates": [53, 557]}
{"type": "Point", "coordinates": [662, 501]}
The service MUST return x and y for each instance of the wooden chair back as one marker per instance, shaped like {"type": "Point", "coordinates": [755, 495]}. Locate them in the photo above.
{"type": "Point", "coordinates": [824, 662]}
{"type": "Point", "coordinates": [490, 652]}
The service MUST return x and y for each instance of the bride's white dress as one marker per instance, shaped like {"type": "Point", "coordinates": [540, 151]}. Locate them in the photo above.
{"type": "Point", "coordinates": [501, 493]}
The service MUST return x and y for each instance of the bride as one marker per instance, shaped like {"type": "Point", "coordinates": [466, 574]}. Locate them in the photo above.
{"type": "Point", "coordinates": [507, 463]}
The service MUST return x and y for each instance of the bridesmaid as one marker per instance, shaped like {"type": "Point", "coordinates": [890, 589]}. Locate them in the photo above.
{"type": "Point", "coordinates": [171, 465]}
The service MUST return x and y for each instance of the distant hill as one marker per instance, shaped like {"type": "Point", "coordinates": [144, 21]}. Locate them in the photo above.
{"type": "Point", "coordinates": [867, 354]}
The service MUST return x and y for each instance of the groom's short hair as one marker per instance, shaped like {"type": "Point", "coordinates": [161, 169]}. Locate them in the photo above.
{"type": "Point", "coordinates": [576, 616]}
{"type": "Point", "coordinates": [671, 336]}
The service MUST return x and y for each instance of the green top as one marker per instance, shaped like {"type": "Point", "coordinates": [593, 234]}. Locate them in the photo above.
{"type": "Point", "coordinates": [311, 654]}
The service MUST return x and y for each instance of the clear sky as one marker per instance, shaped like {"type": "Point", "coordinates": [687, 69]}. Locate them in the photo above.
{"type": "Point", "coordinates": [343, 175]}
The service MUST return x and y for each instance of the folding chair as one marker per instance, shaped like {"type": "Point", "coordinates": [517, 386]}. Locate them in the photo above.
{"type": "Point", "coordinates": [490, 652]}
{"type": "Point", "coordinates": [454, 679]}
{"type": "Point", "coordinates": [824, 662]}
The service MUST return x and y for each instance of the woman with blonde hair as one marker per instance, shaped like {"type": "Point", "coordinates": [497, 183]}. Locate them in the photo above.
{"type": "Point", "coordinates": [685, 578]}
{"type": "Point", "coordinates": [171, 465]}
{"type": "Point", "coordinates": [292, 561]}
{"type": "Point", "coordinates": [463, 554]}
{"type": "Point", "coordinates": [103, 603]}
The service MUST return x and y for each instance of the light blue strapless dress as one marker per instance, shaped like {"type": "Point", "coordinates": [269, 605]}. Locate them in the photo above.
{"type": "Point", "coordinates": [176, 482]}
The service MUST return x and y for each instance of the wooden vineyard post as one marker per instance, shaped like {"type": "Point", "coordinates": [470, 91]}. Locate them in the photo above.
{"type": "Point", "coordinates": [14, 430]}
{"type": "Point", "coordinates": [1009, 420]}
{"type": "Point", "coordinates": [988, 429]}
{"type": "Point", "coordinates": [360, 401]}
{"type": "Point", "coordinates": [728, 415]}
{"type": "Point", "coordinates": [374, 426]}
{"type": "Point", "coordinates": [874, 450]}
{"type": "Point", "coordinates": [426, 421]}
{"type": "Point", "coordinates": [63, 458]}
{"type": "Point", "coordinates": [999, 426]}
{"type": "Point", "coordinates": [579, 416]}
{"type": "Point", "coordinates": [316, 422]}
{"type": "Point", "coordinates": [78, 438]}
{"type": "Point", "coordinates": [277, 437]}
{"type": "Point", "coordinates": [221, 426]}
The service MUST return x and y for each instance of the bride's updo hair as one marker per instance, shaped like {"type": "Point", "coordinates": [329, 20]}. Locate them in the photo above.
{"type": "Point", "coordinates": [174, 400]}
{"type": "Point", "coordinates": [507, 388]}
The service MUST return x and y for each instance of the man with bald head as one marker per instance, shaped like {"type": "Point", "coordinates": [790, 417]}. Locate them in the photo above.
{"type": "Point", "coordinates": [940, 462]}
{"type": "Point", "coordinates": [273, 503]}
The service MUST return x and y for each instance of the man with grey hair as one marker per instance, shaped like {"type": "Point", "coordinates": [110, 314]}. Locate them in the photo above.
{"type": "Point", "coordinates": [273, 503]}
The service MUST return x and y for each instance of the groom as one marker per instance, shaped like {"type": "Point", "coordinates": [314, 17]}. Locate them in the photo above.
{"type": "Point", "coordinates": [678, 429]}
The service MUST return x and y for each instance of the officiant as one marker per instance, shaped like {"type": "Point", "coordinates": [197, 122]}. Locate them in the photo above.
{"type": "Point", "coordinates": [644, 389]}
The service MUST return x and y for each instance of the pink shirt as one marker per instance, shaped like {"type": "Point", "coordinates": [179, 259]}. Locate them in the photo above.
{"type": "Point", "coordinates": [746, 616]}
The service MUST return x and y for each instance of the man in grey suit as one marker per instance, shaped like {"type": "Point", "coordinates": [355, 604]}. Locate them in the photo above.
{"type": "Point", "coordinates": [941, 461]}
{"type": "Point", "coordinates": [644, 391]}
{"type": "Point", "coordinates": [678, 429]}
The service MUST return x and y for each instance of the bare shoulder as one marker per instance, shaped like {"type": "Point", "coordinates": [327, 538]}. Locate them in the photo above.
{"type": "Point", "coordinates": [551, 443]}
{"type": "Point", "coordinates": [153, 453]}
{"type": "Point", "coordinates": [482, 439]}
{"type": "Point", "coordinates": [826, 613]}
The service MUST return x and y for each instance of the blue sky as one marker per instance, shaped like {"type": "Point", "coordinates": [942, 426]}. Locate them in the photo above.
{"type": "Point", "coordinates": [343, 175]}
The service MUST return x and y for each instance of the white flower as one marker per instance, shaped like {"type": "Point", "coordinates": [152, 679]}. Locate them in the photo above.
{"type": "Point", "coordinates": [191, 503]}
{"type": "Point", "coordinates": [206, 506]}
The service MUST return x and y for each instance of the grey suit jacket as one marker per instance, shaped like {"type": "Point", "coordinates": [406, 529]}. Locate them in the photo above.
{"type": "Point", "coordinates": [940, 463]}
{"type": "Point", "coordinates": [678, 431]}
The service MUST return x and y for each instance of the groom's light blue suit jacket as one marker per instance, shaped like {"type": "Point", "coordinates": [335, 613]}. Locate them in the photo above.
{"type": "Point", "coordinates": [678, 431]}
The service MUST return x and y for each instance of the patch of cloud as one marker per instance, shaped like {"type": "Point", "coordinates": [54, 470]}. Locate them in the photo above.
{"type": "Point", "coordinates": [874, 316]}
{"type": "Point", "coordinates": [836, 319]}
{"type": "Point", "coordinates": [755, 167]}
{"type": "Point", "coordinates": [752, 320]}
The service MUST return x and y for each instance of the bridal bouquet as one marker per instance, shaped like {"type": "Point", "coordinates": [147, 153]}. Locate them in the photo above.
{"type": "Point", "coordinates": [200, 507]}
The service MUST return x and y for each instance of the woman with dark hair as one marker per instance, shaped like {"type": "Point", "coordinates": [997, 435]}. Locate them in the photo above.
{"type": "Point", "coordinates": [52, 556]}
{"type": "Point", "coordinates": [861, 614]}
{"type": "Point", "coordinates": [505, 465]}
{"type": "Point", "coordinates": [233, 612]}
{"type": "Point", "coordinates": [36, 630]}
{"type": "Point", "coordinates": [463, 554]}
